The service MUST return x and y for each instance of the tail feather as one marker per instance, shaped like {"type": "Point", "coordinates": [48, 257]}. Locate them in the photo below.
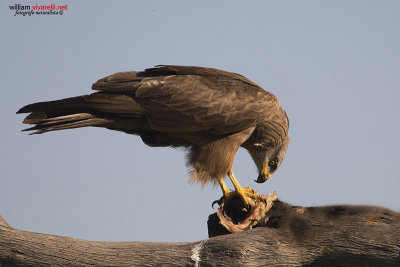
{"type": "Point", "coordinates": [67, 122]}
{"type": "Point", "coordinates": [97, 109]}
{"type": "Point", "coordinates": [66, 104]}
{"type": "Point", "coordinates": [40, 117]}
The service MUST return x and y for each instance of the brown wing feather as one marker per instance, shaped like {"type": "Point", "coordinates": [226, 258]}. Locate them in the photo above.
{"type": "Point", "coordinates": [192, 99]}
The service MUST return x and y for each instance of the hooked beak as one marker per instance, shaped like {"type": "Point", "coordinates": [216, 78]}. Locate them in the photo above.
{"type": "Point", "coordinates": [263, 176]}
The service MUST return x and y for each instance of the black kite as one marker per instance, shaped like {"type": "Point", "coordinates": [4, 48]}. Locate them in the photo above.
{"type": "Point", "coordinates": [210, 112]}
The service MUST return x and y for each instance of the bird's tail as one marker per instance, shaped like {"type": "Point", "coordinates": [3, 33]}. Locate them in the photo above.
{"type": "Point", "coordinates": [97, 109]}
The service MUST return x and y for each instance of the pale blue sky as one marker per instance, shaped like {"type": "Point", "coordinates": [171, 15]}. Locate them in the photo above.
{"type": "Point", "coordinates": [335, 66]}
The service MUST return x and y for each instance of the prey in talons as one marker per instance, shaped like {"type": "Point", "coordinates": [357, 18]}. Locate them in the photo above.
{"type": "Point", "coordinates": [245, 193]}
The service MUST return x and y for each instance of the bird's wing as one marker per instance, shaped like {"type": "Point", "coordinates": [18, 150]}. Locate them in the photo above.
{"type": "Point", "coordinates": [193, 99]}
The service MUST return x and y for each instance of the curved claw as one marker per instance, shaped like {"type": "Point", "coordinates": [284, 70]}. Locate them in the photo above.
{"type": "Point", "coordinates": [215, 201]}
{"type": "Point", "coordinates": [219, 201]}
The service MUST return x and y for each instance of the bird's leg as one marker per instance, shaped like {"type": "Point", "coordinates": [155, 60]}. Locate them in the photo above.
{"type": "Point", "coordinates": [224, 188]}
{"type": "Point", "coordinates": [238, 188]}
{"type": "Point", "coordinates": [225, 191]}
{"type": "Point", "coordinates": [243, 192]}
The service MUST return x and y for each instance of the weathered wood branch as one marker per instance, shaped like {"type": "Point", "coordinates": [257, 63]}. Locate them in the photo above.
{"type": "Point", "coordinates": [293, 236]}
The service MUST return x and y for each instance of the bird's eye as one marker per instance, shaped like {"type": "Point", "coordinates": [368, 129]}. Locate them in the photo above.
{"type": "Point", "coordinates": [272, 163]}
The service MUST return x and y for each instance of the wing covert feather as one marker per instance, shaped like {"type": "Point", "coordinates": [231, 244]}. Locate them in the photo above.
{"type": "Point", "coordinates": [192, 99]}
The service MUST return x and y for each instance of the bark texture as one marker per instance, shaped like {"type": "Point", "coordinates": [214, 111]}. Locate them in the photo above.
{"type": "Point", "coordinates": [309, 236]}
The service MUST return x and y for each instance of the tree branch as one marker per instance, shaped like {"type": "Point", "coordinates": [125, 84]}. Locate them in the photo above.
{"type": "Point", "coordinates": [293, 236]}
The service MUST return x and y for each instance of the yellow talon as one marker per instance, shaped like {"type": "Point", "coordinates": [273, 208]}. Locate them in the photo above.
{"type": "Point", "coordinates": [239, 190]}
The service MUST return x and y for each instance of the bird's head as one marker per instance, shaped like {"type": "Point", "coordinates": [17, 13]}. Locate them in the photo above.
{"type": "Point", "coordinates": [268, 158]}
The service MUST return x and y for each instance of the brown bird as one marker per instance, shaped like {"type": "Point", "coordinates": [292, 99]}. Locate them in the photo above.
{"type": "Point", "coordinates": [210, 112]}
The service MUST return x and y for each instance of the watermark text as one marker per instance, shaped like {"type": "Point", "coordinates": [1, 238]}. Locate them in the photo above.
{"type": "Point", "coordinates": [30, 10]}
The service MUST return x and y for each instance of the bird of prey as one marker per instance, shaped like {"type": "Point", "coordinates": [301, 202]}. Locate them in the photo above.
{"type": "Point", "coordinates": [209, 112]}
